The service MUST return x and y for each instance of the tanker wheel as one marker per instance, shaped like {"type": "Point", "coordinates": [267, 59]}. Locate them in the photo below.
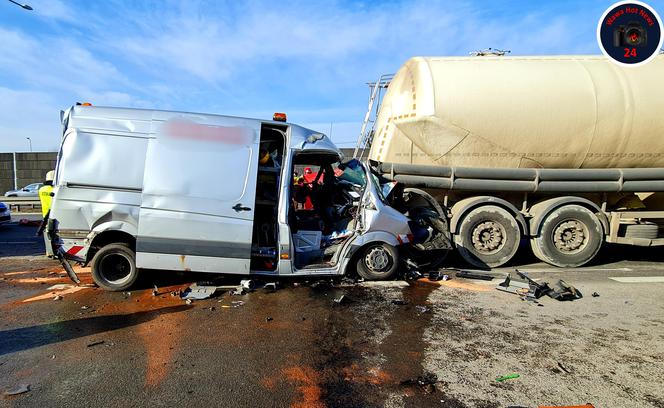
{"type": "Point", "coordinates": [488, 237]}
{"type": "Point", "coordinates": [570, 236]}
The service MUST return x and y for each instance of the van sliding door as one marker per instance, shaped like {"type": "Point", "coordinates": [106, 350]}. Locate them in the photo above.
{"type": "Point", "coordinates": [198, 196]}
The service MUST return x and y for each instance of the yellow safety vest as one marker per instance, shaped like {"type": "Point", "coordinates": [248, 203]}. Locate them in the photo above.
{"type": "Point", "coordinates": [45, 198]}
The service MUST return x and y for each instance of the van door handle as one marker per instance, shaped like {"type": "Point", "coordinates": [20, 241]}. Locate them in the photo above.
{"type": "Point", "coordinates": [238, 207]}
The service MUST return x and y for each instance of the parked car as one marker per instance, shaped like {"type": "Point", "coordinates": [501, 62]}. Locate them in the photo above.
{"type": "Point", "coordinates": [5, 214]}
{"type": "Point", "coordinates": [31, 190]}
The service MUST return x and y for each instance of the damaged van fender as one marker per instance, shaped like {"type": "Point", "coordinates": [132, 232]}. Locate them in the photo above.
{"type": "Point", "coordinates": [146, 189]}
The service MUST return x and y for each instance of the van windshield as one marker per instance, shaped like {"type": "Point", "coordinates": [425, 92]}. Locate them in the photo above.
{"type": "Point", "coordinates": [352, 171]}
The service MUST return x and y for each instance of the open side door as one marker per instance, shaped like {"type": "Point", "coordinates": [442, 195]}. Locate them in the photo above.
{"type": "Point", "coordinates": [198, 196]}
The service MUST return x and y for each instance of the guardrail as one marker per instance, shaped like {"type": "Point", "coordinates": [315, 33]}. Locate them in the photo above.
{"type": "Point", "coordinates": [16, 203]}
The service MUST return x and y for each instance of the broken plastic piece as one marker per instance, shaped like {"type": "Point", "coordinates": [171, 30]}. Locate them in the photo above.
{"type": "Point", "coordinates": [595, 294]}
{"type": "Point", "coordinates": [19, 389]}
{"type": "Point", "coordinates": [507, 377]}
{"type": "Point", "coordinates": [340, 299]}
{"type": "Point", "coordinates": [198, 292]}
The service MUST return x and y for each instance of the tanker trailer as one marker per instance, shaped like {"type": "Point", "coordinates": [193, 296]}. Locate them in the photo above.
{"type": "Point", "coordinates": [565, 151]}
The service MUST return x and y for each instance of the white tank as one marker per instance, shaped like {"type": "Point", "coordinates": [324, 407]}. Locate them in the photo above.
{"type": "Point", "coordinates": [558, 112]}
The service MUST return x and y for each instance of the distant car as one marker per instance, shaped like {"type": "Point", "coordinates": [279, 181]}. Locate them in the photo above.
{"type": "Point", "coordinates": [5, 214]}
{"type": "Point", "coordinates": [31, 190]}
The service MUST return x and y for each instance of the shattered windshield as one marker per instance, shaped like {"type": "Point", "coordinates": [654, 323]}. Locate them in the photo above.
{"type": "Point", "coordinates": [352, 171]}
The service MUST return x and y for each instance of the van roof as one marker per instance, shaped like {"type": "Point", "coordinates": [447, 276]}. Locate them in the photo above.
{"type": "Point", "coordinates": [138, 123]}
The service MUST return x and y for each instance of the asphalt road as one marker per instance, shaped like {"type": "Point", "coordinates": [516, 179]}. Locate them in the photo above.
{"type": "Point", "coordinates": [297, 347]}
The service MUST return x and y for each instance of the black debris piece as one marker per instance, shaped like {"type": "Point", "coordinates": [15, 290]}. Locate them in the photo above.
{"type": "Point", "coordinates": [269, 319]}
{"type": "Point", "coordinates": [426, 382]}
{"type": "Point", "coordinates": [595, 294]}
{"type": "Point", "coordinates": [96, 343]}
{"type": "Point", "coordinates": [474, 275]}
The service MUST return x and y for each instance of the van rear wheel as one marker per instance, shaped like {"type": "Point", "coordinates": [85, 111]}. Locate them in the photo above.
{"type": "Point", "coordinates": [114, 267]}
{"type": "Point", "coordinates": [378, 262]}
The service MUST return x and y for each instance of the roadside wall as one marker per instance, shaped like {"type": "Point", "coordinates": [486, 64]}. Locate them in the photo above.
{"type": "Point", "coordinates": [30, 168]}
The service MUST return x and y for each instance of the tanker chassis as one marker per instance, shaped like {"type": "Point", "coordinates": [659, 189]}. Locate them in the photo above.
{"type": "Point", "coordinates": [566, 214]}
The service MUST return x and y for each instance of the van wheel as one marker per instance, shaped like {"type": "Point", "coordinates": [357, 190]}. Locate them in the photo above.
{"type": "Point", "coordinates": [114, 267]}
{"type": "Point", "coordinates": [488, 237]}
{"type": "Point", "coordinates": [378, 262]}
{"type": "Point", "coordinates": [570, 236]}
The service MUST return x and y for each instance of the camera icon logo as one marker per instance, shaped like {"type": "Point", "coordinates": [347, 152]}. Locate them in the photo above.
{"type": "Point", "coordinates": [630, 33]}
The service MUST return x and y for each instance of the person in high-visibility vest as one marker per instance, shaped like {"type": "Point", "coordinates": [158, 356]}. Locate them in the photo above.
{"type": "Point", "coordinates": [45, 197]}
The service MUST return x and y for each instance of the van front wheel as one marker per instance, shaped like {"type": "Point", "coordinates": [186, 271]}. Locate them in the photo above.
{"type": "Point", "coordinates": [114, 267]}
{"type": "Point", "coordinates": [378, 262]}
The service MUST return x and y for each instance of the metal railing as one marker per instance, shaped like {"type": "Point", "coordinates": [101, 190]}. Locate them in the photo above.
{"type": "Point", "coordinates": [16, 203]}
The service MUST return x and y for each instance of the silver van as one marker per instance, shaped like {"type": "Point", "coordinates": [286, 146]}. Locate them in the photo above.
{"type": "Point", "coordinates": [137, 189]}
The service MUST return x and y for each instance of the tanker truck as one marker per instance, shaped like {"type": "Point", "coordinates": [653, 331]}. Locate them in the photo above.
{"type": "Point", "coordinates": [565, 152]}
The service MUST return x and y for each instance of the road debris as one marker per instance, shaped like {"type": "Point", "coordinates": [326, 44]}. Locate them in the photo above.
{"type": "Point", "coordinates": [95, 343]}
{"type": "Point", "coordinates": [269, 319]}
{"type": "Point", "coordinates": [340, 299]}
{"type": "Point", "coordinates": [155, 290]}
{"type": "Point", "coordinates": [595, 294]}
{"type": "Point", "coordinates": [507, 377]}
{"type": "Point", "coordinates": [57, 297]}
{"type": "Point", "coordinates": [188, 301]}
{"type": "Point", "coordinates": [399, 302]}
{"type": "Point", "coordinates": [19, 389]}
{"type": "Point", "coordinates": [426, 382]}
{"type": "Point", "coordinates": [237, 303]}
{"type": "Point", "coordinates": [422, 309]}
{"type": "Point", "coordinates": [198, 292]}
{"type": "Point", "coordinates": [474, 275]}
{"type": "Point", "coordinates": [531, 289]}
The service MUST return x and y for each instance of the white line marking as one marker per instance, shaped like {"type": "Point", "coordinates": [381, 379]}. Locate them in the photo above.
{"type": "Point", "coordinates": [639, 279]}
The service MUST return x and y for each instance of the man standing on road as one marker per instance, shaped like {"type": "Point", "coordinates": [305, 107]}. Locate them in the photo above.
{"type": "Point", "coordinates": [45, 198]}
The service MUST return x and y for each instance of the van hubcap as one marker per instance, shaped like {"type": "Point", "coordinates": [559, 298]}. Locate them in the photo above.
{"type": "Point", "coordinates": [377, 259]}
{"type": "Point", "coordinates": [115, 268]}
{"type": "Point", "coordinates": [488, 237]}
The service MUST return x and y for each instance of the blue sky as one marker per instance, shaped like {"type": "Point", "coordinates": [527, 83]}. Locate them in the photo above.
{"type": "Point", "coordinates": [309, 59]}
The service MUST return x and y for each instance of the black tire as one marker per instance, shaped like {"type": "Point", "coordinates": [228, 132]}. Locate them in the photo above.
{"type": "Point", "coordinates": [378, 262]}
{"type": "Point", "coordinates": [570, 236]}
{"type": "Point", "coordinates": [488, 237]}
{"type": "Point", "coordinates": [114, 267]}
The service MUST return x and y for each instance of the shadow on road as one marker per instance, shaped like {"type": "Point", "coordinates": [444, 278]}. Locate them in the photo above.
{"type": "Point", "coordinates": [34, 336]}
{"type": "Point", "coordinates": [18, 240]}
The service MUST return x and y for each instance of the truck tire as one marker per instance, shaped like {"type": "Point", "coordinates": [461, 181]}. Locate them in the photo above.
{"type": "Point", "coordinates": [378, 262]}
{"type": "Point", "coordinates": [488, 237]}
{"type": "Point", "coordinates": [570, 236]}
{"type": "Point", "coordinates": [114, 267]}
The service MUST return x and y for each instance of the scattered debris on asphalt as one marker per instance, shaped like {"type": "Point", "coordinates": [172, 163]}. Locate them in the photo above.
{"type": "Point", "coordinates": [198, 292]}
{"type": "Point", "coordinates": [531, 289]}
{"type": "Point", "coordinates": [422, 309]}
{"type": "Point", "coordinates": [434, 276]}
{"type": "Point", "coordinates": [474, 275]}
{"type": "Point", "coordinates": [269, 319]}
{"type": "Point", "coordinates": [340, 299]}
{"type": "Point", "coordinates": [85, 307]}
{"type": "Point", "coordinates": [96, 343]}
{"type": "Point", "coordinates": [595, 294]}
{"type": "Point", "coordinates": [188, 301]}
{"type": "Point", "coordinates": [57, 297]}
{"type": "Point", "coordinates": [399, 302]}
{"type": "Point", "coordinates": [426, 382]}
{"type": "Point", "coordinates": [507, 377]}
{"type": "Point", "coordinates": [19, 389]}
{"type": "Point", "coordinates": [237, 303]}
{"type": "Point", "coordinates": [155, 290]}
